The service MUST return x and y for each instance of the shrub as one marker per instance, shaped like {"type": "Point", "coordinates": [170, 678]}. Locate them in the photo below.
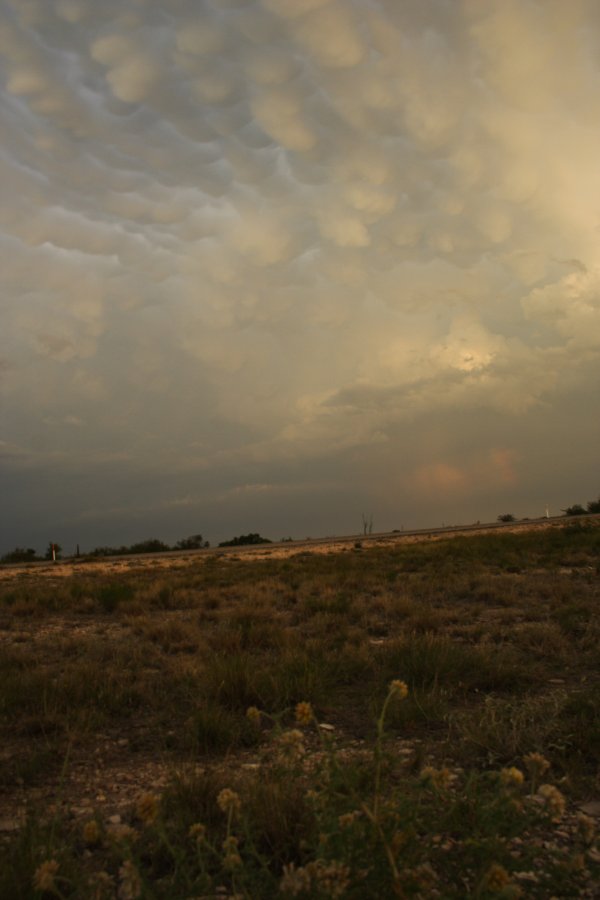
{"type": "Point", "coordinates": [244, 539]}
{"type": "Point", "coordinates": [111, 595]}
{"type": "Point", "coordinates": [194, 542]}
{"type": "Point", "coordinates": [576, 510]}
{"type": "Point", "coordinates": [20, 555]}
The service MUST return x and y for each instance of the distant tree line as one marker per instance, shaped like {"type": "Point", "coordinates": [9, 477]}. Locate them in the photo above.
{"type": "Point", "coordinates": [21, 555]}
{"type": "Point", "coordinates": [24, 555]}
{"type": "Point", "coordinates": [153, 545]}
{"type": "Point", "coordinates": [593, 506]}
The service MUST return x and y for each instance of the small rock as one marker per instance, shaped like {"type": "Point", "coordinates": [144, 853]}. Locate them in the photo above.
{"type": "Point", "coordinates": [527, 876]}
{"type": "Point", "coordinates": [325, 727]}
{"type": "Point", "coordinates": [114, 820]}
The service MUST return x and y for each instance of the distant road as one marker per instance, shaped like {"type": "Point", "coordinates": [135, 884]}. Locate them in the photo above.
{"type": "Point", "coordinates": [307, 543]}
{"type": "Point", "coordinates": [398, 534]}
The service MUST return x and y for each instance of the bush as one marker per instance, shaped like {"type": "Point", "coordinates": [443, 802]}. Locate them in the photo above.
{"type": "Point", "coordinates": [153, 545]}
{"type": "Point", "coordinates": [20, 555]}
{"type": "Point", "coordinates": [194, 542]}
{"type": "Point", "coordinates": [576, 510]}
{"type": "Point", "coordinates": [111, 595]}
{"type": "Point", "coordinates": [244, 539]}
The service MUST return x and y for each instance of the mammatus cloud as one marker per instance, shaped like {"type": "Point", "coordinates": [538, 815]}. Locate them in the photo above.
{"type": "Point", "coordinates": [266, 235]}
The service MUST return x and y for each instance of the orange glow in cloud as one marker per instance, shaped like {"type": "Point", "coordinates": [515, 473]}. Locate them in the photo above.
{"type": "Point", "coordinates": [502, 463]}
{"type": "Point", "coordinates": [496, 468]}
{"type": "Point", "coordinates": [440, 478]}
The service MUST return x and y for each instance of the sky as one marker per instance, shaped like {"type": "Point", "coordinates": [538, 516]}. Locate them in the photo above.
{"type": "Point", "coordinates": [273, 265]}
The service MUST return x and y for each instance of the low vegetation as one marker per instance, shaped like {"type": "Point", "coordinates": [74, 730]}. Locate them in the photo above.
{"type": "Point", "coordinates": [412, 720]}
{"type": "Point", "coordinates": [592, 507]}
{"type": "Point", "coordinates": [244, 540]}
{"type": "Point", "coordinates": [152, 545]}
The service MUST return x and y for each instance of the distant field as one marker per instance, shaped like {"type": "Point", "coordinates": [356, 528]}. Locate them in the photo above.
{"type": "Point", "coordinates": [376, 718]}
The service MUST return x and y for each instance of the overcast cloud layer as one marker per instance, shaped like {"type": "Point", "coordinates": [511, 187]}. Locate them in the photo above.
{"type": "Point", "coordinates": [269, 264]}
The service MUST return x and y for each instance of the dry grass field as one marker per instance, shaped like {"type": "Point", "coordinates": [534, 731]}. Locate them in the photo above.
{"type": "Point", "coordinates": [395, 718]}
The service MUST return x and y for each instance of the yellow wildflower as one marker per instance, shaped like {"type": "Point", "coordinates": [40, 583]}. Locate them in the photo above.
{"type": "Point", "coordinates": [294, 881]}
{"type": "Point", "coordinates": [253, 715]}
{"type": "Point", "coordinates": [399, 688]}
{"type": "Point", "coordinates": [511, 777]}
{"type": "Point", "coordinates": [537, 765]}
{"type": "Point", "coordinates": [232, 861]}
{"type": "Point", "coordinates": [197, 832]}
{"type": "Point", "coordinates": [440, 779]}
{"type": "Point", "coordinates": [348, 819]}
{"type": "Point", "coordinates": [291, 737]}
{"type": "Point", "coordinates": [230, 844]}
{"type": "Point", "coordinates": [304, 713]}
{"type": "Point", "coordinates": [229, 802]}
{"type": "Point", "coordinates": [553, 799]}
{"type": "Point", "coordinates": [332, 877]}
{"type": "Point", "coordinates": [91, 833]}
{"type": "Point", "coordinates": [45, 875]}
{"type": "Point", "coordinates": [231, 856]}
{"type": "Point", "coordinates": [130, 887]}
{"type": "Point", "coordinates": [291, 743]}
{"type": "Point", "coordinates": [147, 808]}
{"type": "Point", "coordinates": [496, 878]}
{"type": "Point", "coordinates": [122, 832]}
